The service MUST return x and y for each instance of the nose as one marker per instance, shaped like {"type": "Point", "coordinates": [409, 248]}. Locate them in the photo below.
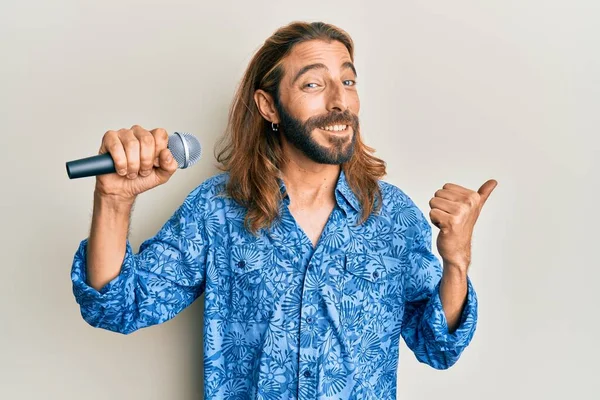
{"type": "Point", "coordinates": [336, 99]}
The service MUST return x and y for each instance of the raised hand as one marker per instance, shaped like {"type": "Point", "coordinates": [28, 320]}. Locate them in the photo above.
{"type": "Point", "coordinates": [142, 161]}
{"type": "Point", "coordinates": [454, 210]}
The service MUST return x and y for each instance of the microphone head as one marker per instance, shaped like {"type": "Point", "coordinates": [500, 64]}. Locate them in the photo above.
{"type": "Point", "coordinates": [185, 148]}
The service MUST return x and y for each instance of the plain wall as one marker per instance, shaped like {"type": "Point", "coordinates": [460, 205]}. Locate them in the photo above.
{"type": "Point", "coordinates": [459, 91]}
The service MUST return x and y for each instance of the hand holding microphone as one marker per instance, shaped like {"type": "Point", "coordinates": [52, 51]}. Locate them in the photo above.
{"type": "Point", "coordinates": [141, 159]}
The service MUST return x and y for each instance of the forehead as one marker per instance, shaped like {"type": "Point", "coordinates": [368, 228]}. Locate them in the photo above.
{"type": "Point", "coordinates": [333, 54]}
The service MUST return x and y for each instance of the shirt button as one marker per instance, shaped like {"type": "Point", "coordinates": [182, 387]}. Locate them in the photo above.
{"type": "Point", "coordinates": [308, 319]}
{"type": "Point", "coordinates": [310, 267]}
{"type": "Point", "coordinates": [307, 374]}
{"type": "Point", "coordinates": [375, 274]}
{"type": "Point", "coordinates": [241, 264]}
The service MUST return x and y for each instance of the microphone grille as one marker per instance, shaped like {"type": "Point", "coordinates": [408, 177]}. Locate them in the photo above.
{"type": "Point", "coordinates": [185, 148]}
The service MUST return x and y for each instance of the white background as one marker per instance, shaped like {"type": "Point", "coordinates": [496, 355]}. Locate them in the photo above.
{"type": "Point", "coordinates": [458, 91]}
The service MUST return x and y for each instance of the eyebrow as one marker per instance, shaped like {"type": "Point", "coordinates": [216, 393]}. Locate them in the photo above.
{"type": "Point", "coordinates": [305, 69]}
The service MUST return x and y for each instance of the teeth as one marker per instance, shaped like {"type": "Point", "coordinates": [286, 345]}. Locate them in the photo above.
{"type": "Point", "coordinates": [335, 128]}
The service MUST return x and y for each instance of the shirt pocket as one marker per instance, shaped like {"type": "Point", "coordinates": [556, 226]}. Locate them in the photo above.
{"type": "Point", "coordinates": [364, 277]}
{"type": "Point", "coordinates": [251, 296]}
{"type": "Point", "coordinates": [369, 302]}
{"type": "Point", "coordinates": [371, 268]}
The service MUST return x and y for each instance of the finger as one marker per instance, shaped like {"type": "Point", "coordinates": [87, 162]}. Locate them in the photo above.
{"type": "Point", "coordinates": [449, 195]}
{"type": "Point", "coordinates": [147, 149]}
{"type": "Point", "coordinates": [161, 140]}
{"type": "Point", "coordinates": [448, 206]}
{"type": "Point", "coordinates": [168, 166]}
{"type": "Point", "coordinates": [112, 144]}
{"type": "Point", "coordinates": [439, 218]}
{"type": "Point", "coordinates": [486, 189]}
{"type": "Point", "coordinates": [456, 188]}
{"type": "Point", "coordinates": [132, 151]}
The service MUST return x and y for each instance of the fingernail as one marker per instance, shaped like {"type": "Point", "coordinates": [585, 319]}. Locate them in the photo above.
{"type": "Point", "coordinates": [122, 171]}
{"type": "Point", "coordinates": [132, 175]}
{"type": "Point", "coordinates": [169, 158]}
{"type": "Point", "coordinates": [145, 172]}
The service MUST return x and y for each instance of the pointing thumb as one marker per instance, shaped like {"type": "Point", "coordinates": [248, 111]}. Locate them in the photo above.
{"type": "Point", "coordinates": [486, 189]}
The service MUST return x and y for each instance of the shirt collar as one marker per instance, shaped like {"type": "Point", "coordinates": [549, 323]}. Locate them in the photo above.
{"type": "Point", "coordinates": [344, 196]}
{"type": "Point", "coordinates": [346, 192]}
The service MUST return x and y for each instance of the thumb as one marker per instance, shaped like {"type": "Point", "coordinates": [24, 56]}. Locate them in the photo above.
{"type": "Point", "coordinates": [486, 189]}
{"type": "Point", "coordinates": [167, 166]}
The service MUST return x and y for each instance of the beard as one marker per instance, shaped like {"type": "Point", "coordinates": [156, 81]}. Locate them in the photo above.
{"type": "Point", "coordinates": [299, 134]}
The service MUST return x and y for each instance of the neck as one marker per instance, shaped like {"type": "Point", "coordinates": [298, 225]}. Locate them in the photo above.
{"type": "Point", "coordinates": [309, 184]}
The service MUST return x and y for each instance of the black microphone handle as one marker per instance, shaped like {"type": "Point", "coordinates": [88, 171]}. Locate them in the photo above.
{"type": "Point", "coordinates": [90, 166]}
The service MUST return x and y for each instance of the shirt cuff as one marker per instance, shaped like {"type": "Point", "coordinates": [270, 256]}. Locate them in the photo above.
{"type": "Point", "coordinates": [437, 325]}
{"type": "Point", "coordinates": [85, 295]}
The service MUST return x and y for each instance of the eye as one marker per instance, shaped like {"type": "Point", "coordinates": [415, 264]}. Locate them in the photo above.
{"type": "Point", "coordinates": [308, 85]}
{"type": "Point", "coordinates": [349, 82]}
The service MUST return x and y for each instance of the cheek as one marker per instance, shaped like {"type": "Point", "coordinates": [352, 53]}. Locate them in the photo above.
{"type": "Point", "coordinates": [354, 103]}
{"type": "Point", "coordinates": [304, 107]}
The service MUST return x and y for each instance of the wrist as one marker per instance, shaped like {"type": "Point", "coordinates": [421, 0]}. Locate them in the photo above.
{"type": "Point", "coordinates": [113, 202]}
{"type": "Point", "coordinates": [456, 271]}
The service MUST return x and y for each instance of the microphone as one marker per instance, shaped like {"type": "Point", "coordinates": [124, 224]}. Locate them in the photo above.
{"type": "Point", "coordinates": [184, 146]}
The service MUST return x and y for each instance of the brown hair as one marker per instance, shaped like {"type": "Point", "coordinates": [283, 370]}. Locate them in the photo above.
{"type": "Point", "coordinates": [252, 153]}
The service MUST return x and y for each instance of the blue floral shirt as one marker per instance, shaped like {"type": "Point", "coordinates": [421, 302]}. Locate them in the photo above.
{"type": "Point", "coordinates": [284, 319]}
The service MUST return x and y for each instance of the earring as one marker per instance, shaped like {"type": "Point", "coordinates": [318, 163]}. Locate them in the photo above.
{"type": "Point", "coordinates": [274, 127]}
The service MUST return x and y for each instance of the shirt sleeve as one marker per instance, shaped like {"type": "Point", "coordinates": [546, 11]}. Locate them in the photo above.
{"type": "Point", "coordinates": [424, 327]}
{"type": "Point", "coordinates": [154, 285]}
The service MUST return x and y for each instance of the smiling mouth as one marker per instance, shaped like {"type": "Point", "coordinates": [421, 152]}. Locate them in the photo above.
{"type": "Point", "coordinates": [339, 128]}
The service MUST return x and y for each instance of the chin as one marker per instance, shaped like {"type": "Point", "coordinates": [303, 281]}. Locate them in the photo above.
{"type": "Point", "coordinates": [334, 156]}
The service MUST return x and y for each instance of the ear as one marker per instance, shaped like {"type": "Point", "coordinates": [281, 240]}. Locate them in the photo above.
{"type": "Point", "coordinates": [266, 105]}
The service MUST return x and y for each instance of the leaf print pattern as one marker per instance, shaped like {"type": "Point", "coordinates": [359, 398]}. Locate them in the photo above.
{"type": "Point", "coordinates": [284, 320]}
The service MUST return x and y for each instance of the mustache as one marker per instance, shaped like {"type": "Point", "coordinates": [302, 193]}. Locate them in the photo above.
{"type": "Point", "coordinates": [335, 118]}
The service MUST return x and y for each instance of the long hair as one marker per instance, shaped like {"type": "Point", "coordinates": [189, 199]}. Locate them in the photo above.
{"type": "Point", "coordinates": [252, 153]}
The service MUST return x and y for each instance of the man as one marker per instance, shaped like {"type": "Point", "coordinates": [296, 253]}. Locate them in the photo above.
{"type": "Point", "coordinates": [312, 267]}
